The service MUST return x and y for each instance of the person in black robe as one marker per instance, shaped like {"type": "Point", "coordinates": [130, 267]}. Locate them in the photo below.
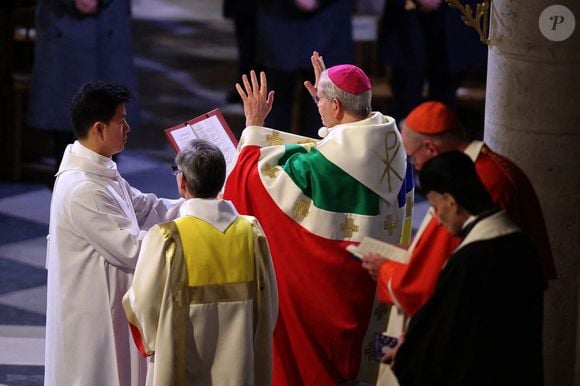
{"type": "Point", "coordinates": [483, 325]}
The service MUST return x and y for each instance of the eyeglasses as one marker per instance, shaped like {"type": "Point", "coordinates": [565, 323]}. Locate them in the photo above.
{"type": "Point", "coordinates": [317, 99]}
{"type": "Point", "coordinates": [176, 170]}
{"type": "Point", "coordinates": [412, 155]}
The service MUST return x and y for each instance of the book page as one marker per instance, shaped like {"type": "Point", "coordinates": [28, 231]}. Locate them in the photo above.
{"type": "Point", "coordinates": [211, 127]}
{"type": "Point", "coordinates": [182, 136]}
{"type": "Point", "coordinates": [390, 251]}
{"type": "Point", "coordinates": [212, 130]}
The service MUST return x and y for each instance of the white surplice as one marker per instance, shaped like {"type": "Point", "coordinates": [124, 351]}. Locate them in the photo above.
{"type": "Point", "coordinates": [97, 221]}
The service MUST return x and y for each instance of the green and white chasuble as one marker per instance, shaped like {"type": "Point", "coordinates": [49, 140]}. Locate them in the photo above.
{"type": "Point", "coordinates": [313, 198]}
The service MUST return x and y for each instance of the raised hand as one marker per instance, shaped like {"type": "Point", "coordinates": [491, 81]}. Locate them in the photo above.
{"type": "Point", "coordinates": [256, 98]}
{"type": "Point", "coordinates": [318, 66]}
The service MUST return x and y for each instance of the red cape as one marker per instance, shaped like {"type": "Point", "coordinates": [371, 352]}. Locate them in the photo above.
{"type": "Point", "coordinates": [325, 296]}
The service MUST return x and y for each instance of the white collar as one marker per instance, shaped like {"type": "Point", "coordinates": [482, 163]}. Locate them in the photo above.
{"type": "Point", "coordinates": [79, 157]}
{"type": "Point", "coordinates": [83, 151]}
{"type": "Point", "coordinates": [469, 220]}
{"type": "Point", "coordinates": [473, 149]}
{"type": "Point", "coordinates": [491, 227]}
{"type": "Point", "coordinates": [219, 213]}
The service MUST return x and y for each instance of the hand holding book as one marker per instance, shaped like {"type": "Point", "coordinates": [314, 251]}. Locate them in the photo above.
{"type": "Point", "coordinates": [373, 254]}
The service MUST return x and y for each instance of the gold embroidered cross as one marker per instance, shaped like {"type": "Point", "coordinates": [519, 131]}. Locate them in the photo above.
{"type": "Point", "coordinates": [390, 225]}
{"type": "Point", "coordinates": [274, 138]}
{"type": "Point", "coordinates": [349, 227]}
{"type": "Point", "coordinates": [270, 170]}
{"type": "Point", "coordinates": [388, 160]}
{"type": "Point", "coordinates": [307, 143]}
{"type": "Point", "coordinates": [301, 209]}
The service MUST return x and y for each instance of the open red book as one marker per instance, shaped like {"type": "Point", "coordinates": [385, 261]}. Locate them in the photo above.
{"type": "Point", "coordinates": [210, 126]}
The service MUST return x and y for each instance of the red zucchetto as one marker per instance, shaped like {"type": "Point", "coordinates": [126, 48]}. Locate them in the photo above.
{"type": "Point", "coordinates": [431, 118]}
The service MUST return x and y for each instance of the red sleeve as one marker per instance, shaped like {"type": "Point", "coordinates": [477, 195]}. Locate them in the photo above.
{"type": "Point", "coordinates": [411, 285]}
{"type": "Point", "coordinates": [138, 340]}
{"type": "Point", "coordinates": [511, 190]}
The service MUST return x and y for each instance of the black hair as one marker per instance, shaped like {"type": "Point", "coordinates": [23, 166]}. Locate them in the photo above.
{"type": "Point", "coordinates": [454, 173]}
{"type": "Point", "coordinates": [204, 167]}
{"type": "Point", "coordinates": [96, 101]}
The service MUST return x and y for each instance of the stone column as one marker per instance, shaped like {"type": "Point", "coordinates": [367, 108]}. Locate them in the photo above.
{"type": "Point", "coordinates": [532, 115]}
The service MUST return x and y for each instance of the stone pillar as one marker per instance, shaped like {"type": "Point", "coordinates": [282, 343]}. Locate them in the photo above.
{"type": "Point", "coordinates": [532, 115]}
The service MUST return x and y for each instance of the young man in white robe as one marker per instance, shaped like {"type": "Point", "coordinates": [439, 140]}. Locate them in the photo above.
{"type": "Point", "coordinates": [204, 300]}
{"type": "Point", "coordinates": [97, 222]}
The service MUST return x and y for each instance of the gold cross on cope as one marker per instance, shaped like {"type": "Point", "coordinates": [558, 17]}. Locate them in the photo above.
{"type": "Point", "coordinates": [390, 225]}
{"type": "Point", "coordinates": [274, 138]}
{"type": "Point", "coordinates": [307, 143]}
{"type": "Point", "coordinates": [270, 170]}
{"type": "Point", "coordinates": [349, 227]}
{"type": "Point", "coordinates": [390, 153]}
{"type": "Point", "coordinates": [301, 209]}
{"type": "Point", "coordinates": [178, 298]}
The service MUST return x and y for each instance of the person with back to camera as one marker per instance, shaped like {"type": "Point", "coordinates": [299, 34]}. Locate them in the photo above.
{"type": "Point", "coordinates": [314, 198]}
{"type": "Point", "coordinates": [204, 300]}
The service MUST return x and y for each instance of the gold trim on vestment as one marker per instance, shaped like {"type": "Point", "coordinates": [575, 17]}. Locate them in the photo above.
{"type": "Point", "coordinates": [271, 171]}
{"type": "Point", "coordinates": [301, 208]}
{"type": "Point", "coordinates": [177, 278]}
{"type": "Point", "coordinates": [274, 138]}
{"type": "Point", "coordinates": [349, 227]}
{"type": "Point", "coordinates": [215, 293]}
{"type": "Point", "coordinates": [390, 224]}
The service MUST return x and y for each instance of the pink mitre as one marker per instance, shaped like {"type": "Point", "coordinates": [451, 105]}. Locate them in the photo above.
{"type": "Point", "coordinates": [349, 78]}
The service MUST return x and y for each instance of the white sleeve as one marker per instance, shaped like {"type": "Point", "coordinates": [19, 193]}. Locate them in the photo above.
{"type": "Point", "coordinates": [151, 210]}
{"type": "Point", "coordinates": [97, 218]}
{"type": "Point", "coordinates": [142, 302]}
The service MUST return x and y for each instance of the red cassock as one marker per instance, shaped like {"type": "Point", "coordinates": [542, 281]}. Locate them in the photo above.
{"type": "Point", "coordinates": [411, 285]}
